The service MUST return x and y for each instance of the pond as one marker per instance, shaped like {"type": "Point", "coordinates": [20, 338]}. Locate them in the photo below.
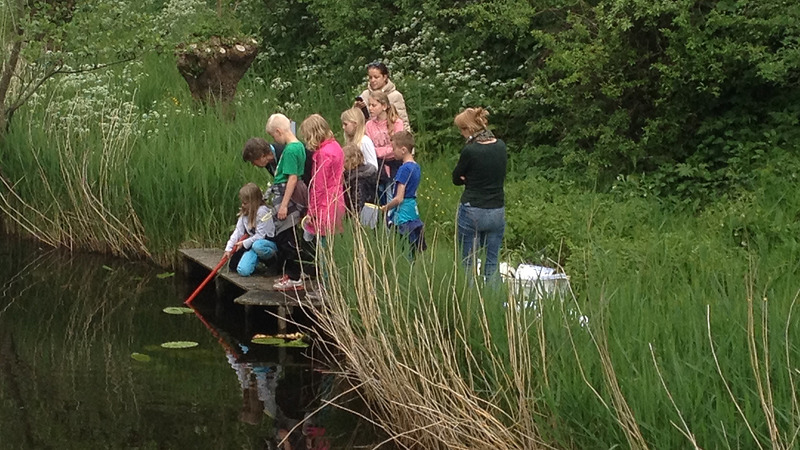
{"type": "Point", "coordinates": [82, 365]}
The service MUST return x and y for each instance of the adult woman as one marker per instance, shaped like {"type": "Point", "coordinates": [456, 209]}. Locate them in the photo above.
{"type": "Point", "coordinates": [482, 170]}
{"type": "Point", "coordinates": [378, 80]}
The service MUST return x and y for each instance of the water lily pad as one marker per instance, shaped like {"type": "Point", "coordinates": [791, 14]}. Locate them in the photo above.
{"type": "Point", "coordinates": [295, 343]}
{"type": "Point", "coordinates": [177, 310]}
{"type": "Point", "coordinates": [141, 357]}
{"type": "Point", "coordinates": [161, 276]}
{"type": "Point", "coordinates": [179, 344]}
{"type": "Point", "coordinates": [267, 341]}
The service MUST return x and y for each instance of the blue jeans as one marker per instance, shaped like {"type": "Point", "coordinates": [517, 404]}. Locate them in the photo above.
{"type": "Point", "coordinates": [479, 228]}
{"type": "Point", "coordinates": [262, 249]}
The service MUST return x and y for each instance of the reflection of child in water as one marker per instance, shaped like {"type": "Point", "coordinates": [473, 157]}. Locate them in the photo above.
{"type": "Point", "coordinates": [258, 390]}
{"type": "Point", "coordinates": [259, 386]}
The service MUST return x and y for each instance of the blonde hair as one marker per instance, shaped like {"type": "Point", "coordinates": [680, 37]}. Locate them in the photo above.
{"type": "Point", "coordinates": [356, 116]}
{"type": "Point", "coordinates": [391, 112]}
{"type": "Point", "coordinates": [352, 155]}
{"type": "Point", "coordinates": [251, 197]}
{"type": "Point", "coordinates": [315, 130]}
{"type": "Point", "coordinates": [472, 120]}
{"type": "Point", "coordinates": [277, 122]}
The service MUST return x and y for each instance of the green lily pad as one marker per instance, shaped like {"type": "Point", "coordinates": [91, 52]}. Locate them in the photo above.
{"type": "Point", "coordinates": [177, 310]}
{"type": "Point", "coordinates": [295, 343]}
{"type": "Point", "coordinates": [267, 341]}
{"type": "Point", "coordinates": [161, 276]}
{"type": "Point", "coordinates": [141, 357]}
{"type": "Point", "coordinates": [179, 344]}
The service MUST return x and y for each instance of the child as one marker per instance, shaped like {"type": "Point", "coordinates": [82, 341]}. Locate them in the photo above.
{"type": "Point", "coordinates": [354, 132]}
{"type": "Point", "coordinates": [359, 179]}
{"type": "Point", "coordinates": [402, 209]}
{"type": "Point", "coordinates": [261, 153]}
{"type": "Point", "coordinates": [288, 201]}
{"type": "Point", "coordinates": [383, 123]}
{"type": "Point", "coordinates": [255, 225]}
{"type": "Point", "coordinates": [325, 195]}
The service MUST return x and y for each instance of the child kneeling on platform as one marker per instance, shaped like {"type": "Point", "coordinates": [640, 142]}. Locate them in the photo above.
{"type": "Point", "coordinates": [250, 240]}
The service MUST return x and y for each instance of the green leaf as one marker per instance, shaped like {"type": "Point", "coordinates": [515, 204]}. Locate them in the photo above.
{"type": "Point", "coordinates": [161, 276]}
{"type": "Point", "coordinates": [110, 269]}
{"type": "Point", "coordinates": [177, 310]}
{"type": "Point", "coordinates": [295, 343]}
{"type": "Point", "coordinates": [267, 341]}
{"type": "Point", "coordinates": [179, 344]}
{"type": "Point", "coordinates": [141, 357]}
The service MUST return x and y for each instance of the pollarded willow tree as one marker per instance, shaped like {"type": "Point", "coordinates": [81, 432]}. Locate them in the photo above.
{"type": "Point", "coordinates": [212, 52]}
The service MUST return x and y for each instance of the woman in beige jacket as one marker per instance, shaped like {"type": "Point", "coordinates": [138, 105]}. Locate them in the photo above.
{"type": "Point", "coordinates": [378, 77]}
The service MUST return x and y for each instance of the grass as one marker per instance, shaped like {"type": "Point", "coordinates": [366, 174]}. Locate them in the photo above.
{"type": "Point", "coordinates": [690, 335]}
{"type": "Point", "coordinates": [675, 354]}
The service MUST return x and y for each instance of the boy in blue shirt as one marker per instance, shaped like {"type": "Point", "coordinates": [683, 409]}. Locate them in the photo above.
{"type": "Point", "coordinates": [402, 209]}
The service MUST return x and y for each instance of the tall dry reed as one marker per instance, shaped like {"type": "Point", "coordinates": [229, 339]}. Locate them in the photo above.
{"type": "Point", "coordinates": [407, 333]}
{"type": "Point", "coordinates": [77, 192]}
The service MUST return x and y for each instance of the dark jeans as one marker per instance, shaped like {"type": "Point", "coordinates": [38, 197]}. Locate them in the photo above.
{"type": "Point", "coordinates": [479, 228]}
{"type": "Point", "coordinates": [385, 190]}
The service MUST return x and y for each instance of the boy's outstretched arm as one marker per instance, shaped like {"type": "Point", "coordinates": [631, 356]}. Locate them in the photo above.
{"type": "Point", "coordinates": [398, 198]}
{"type": "Point", "coordinates": [283, 210]}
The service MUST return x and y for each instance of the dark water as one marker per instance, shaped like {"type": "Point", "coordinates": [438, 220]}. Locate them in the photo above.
{"type": "Point", "coordinates": [69, 325]}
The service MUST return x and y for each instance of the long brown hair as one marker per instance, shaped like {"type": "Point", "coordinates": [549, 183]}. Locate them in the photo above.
{"type": "Point", "coordinates": [352, 154]}
{"type": "Point", "coordinates": [251, 197]}
{"type": "Point", "coordinates": [391, 112]}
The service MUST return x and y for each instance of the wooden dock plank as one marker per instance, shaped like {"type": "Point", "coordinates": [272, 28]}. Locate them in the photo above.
{"type": "Point", "coordinates": [273, 298]}
{"type": "Point", "coordinates": [209, 258]}
{"type": "Point", "coordinates": [258, 289]}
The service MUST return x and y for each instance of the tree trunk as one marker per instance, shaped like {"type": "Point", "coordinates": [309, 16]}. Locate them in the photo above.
{"type": "Point", "coordinates": [213, 69]}
{"type": "Point", "coordinates": [9, 67]}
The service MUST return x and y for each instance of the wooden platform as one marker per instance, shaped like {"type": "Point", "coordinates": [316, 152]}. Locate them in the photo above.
{"type": "Point", "coordinates": [258, 290]}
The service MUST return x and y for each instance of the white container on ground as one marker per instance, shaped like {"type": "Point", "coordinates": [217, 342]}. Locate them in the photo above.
{"type": "Point", "coordinates": [536, 282]}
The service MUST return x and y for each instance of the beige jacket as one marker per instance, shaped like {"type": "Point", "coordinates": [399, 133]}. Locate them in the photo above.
{"type": "Point", "coordinates": [396, 99]}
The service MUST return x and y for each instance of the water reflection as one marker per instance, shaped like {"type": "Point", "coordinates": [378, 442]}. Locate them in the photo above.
{"type": "Point", "coordinates": [69, 325]}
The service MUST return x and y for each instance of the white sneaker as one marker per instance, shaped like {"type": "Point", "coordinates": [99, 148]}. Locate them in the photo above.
{"type": "Point", "coordinates": [288, 285]}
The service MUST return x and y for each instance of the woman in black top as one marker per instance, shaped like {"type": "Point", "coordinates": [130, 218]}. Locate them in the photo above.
{"type": "Point", "coordinates": [482, 170]}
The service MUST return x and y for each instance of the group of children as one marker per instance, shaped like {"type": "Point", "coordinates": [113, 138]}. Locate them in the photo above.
{"type": "Point", "coordinates": [316, 185]}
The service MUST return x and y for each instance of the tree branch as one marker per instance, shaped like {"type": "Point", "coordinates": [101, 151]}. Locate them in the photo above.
{"type": "Point", "coordinates": [57, 71]}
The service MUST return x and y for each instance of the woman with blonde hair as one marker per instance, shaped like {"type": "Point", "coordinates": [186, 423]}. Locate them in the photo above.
{"type": "Point", "coordinates": [481, 169]}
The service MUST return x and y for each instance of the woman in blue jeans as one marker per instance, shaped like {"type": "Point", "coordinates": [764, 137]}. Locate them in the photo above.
{"type": "Point", "coordinates": [482, 170]}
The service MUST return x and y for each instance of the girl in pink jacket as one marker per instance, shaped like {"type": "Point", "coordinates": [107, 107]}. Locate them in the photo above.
{"type": "Point", "coordinates": [325, 193]}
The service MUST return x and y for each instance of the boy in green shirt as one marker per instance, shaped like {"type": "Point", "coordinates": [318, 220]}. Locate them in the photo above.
{"type": "Point", "coordinates": [288, 179]}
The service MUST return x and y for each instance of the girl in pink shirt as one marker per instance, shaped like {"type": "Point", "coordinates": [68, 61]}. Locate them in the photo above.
{"type": "Point", "coordinates": [383, 123]}
{"type": "Point", "coordinates": [325, 193]}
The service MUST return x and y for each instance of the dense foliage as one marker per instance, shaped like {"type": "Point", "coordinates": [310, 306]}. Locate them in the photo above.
{"type": "Point", "coordinates": [695, 95]}
{"type": "Point", "coordinates": [680, 99]}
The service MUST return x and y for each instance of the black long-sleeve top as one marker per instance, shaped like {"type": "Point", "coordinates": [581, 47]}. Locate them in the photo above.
{"type": "Point", "coordinates": [483, 167]}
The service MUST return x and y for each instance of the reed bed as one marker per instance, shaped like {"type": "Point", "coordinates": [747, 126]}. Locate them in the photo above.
{"type": "Point", "coordinates": [673, 356]}
{"type": "Point", "coordinates": [73, 196]}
